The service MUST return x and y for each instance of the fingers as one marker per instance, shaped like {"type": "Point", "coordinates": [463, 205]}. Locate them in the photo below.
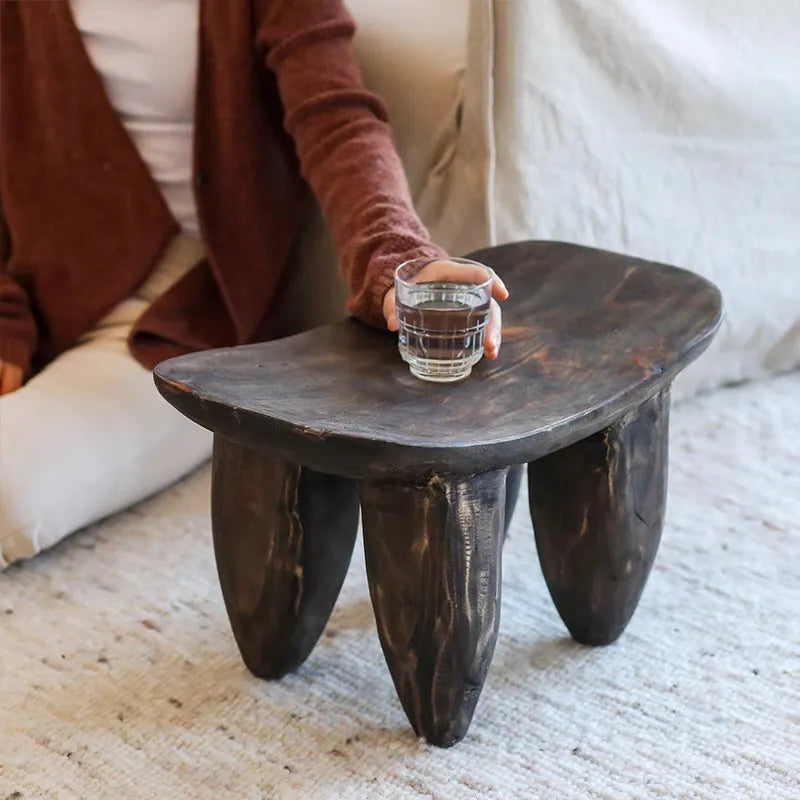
{"type": "Point", "coordinates": [390, 311]}
{"type": "Point", "coordinates": [10, 377]}
{"type": "Point", "coordinates": [493, 331]}
{"type": "Point", "coordinates": [450, 271]}
{"type": "Point", "coordinates": [466, 273]}
{"type": "Point", "coordinates": [499, 289]}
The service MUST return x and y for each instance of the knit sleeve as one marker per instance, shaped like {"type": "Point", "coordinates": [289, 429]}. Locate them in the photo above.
{"type": "Point", "coordinates": [17, 326]}
{"type": "Point", "coordinates": [345, 146]}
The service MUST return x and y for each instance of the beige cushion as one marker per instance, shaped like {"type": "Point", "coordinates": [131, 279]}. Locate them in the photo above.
{"type": "Point", "coordinates": [412, 54]}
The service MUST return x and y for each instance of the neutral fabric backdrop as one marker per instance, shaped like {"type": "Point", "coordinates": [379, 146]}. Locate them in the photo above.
{"type": "Point", "coordinates": [119, 676]}
{"type": "Point", "coordinates": [665, 130]}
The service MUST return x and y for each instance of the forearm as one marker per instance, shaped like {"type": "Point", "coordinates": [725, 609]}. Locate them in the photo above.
{"type": "Point", "coordinates": [345, 147]}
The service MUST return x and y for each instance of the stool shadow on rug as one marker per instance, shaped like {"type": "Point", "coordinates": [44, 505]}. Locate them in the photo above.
{"type": "Point", "coordinates": [356, 614]}
{"type": "Point", "coordinates": [515, 657]}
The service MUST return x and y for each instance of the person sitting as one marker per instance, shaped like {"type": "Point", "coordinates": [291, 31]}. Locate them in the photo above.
{"type": "Point", "coordinates": [154, 166]}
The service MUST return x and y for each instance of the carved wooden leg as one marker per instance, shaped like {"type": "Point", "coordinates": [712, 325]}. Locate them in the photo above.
{"type": "Point", "coordinates": [597, 509]}
{"type": "Point", "coordinates": [513, 482]}
{"type": "Point", "coordinates": [433, 561]}
{"type": "Point", "coordinates": [283, 538]}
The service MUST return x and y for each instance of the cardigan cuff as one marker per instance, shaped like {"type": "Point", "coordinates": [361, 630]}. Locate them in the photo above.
{"type": "Point", "coordinates": [367, 305]}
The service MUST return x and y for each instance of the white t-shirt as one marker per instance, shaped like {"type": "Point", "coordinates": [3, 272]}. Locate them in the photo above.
{"type": "Point", "coordinates": [145, 51]}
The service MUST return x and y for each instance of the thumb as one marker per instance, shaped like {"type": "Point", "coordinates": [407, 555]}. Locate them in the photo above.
{"type": "Point", "coordinates": [390, 311]}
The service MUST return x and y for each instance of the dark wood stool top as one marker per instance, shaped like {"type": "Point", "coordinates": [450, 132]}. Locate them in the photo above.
{"type": "Point", "coordinates": [312, 429]}
{"type": "Point", "coordinates": [586, 334]}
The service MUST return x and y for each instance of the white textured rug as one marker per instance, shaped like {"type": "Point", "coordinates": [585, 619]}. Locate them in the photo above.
{"type": "Point", "coordinates": [119, 677]}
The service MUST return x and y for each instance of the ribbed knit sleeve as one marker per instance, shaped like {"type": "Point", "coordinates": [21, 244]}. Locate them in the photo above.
{"type": "Point", "coordinates": [344, 144]}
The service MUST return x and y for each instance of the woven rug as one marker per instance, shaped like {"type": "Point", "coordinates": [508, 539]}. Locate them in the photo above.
{"type": "Point", "coordinates": [119, 677]}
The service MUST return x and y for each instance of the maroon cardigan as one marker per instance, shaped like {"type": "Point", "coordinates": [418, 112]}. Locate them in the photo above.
{"type": "Point", "coordinates": [83, 223]}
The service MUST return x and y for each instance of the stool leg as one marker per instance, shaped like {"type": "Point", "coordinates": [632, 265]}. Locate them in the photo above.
{"type": "Point", "coordinates": [513, 482]}
{"type": "Point", "coordinates": [283, 538]}
{"type": "Point", "coordinates": [597, 508]}
{"type": "Point", "coordinates": [433, 561]}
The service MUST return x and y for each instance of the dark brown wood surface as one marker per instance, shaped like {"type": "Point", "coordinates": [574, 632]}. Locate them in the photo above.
{"type": "Point", "coordinates": [433, 562]}
{"type": "Point", "coordinates": [513, 483]}
{"type": "Point", "coordinates": [597, 508]}
{"type": "Point", "coordinates": [587, 335]}
{"type": "Point", "coordinates": [308, 426]}
{"type": "Point", "coordinates": [283, 539]}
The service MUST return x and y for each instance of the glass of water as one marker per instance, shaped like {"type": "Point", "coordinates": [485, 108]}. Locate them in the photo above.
{"type": "Point", "coordinates": [442, 315]}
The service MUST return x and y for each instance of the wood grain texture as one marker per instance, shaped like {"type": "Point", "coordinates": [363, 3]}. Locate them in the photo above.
{"type": "Point", "coordinates": [591, 343]}
{"type": "Point", "coordinates": [588, 334]}
{"type": "Point", "coordinates": [283, 539]}
{"type": "Point", "coordinates": [433, 563]}
{"type": "Point", "coordinates": [597, 509]}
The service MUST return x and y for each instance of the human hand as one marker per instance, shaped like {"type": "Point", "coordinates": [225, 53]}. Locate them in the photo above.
{"type": "Point", "coordinates": [10, 377]}
{"type": "Point", "coordinates": [451, 271]}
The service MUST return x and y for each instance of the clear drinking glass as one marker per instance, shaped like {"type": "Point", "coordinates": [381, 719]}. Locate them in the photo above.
{"type": "Point", "coordinates": [442, 316]}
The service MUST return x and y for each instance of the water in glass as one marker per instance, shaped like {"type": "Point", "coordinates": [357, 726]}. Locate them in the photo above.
{"type": "Point", "coordinates": [442, 328]}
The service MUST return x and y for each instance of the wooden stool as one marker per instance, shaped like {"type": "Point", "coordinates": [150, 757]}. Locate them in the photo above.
{"type": "Point", "coordinates": [309, 427]}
